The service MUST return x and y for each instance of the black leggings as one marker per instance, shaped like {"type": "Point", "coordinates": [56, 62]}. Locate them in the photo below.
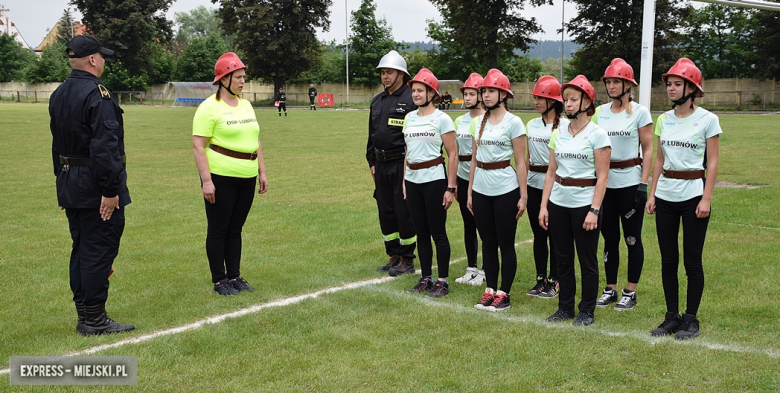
{"type": "Point", "coordinates": [495, 218]}
{"type": "Point", "coordinates": [469, 226]}
{"type": "Point", "coordinates": [667, 222]}
{"type": "Point", "coordinates": [565, 225]}
{"type": "Point", "coordinates": [430, 220]}
{"type": "Point", "coordinates": [282, 105]}
{"type": "Point", "coordinates": [541, 236]}
{"type": "Point", "coordinates": [233, 198]}
{"type": "Point", "coordinates": [618, 202]}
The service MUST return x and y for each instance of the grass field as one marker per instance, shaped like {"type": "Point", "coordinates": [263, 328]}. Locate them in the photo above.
{"type": "Point", "coordinates": [316, 228]}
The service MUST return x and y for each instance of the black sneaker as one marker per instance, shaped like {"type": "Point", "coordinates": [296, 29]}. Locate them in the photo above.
{"type": "Point", "coordinates": [403, 266]}
{"type": "Point", "coordinates": [550, 290]}
{"type": "Point", "coordinates": [689, 327]}
{"type": "Point", "coordinates": [561, 315]}
{"type": "Point", "coordinates": [500, 303]}
{"type": "Point", "coordinates": [627, 301]}
{"type": "Point", "coordinates": [537, 289]}
{"type": "Point", "coordinates": [608, 297]}
{"type": "Point", "coordinates": [239, 284]}
{"type": "Point", "coordinates": [390, 263]}
{"type": "Point", "coordinates": [486, 301]}
{"type": "Point", "coordinates": [424, 285]}
{"type": "Point", "coordinates": [670, 325]}
{"type": "Point", "coordinates": [440, 288]}
{"type": "Point", "coordinates": [584, 318]}
{"type": "Point", "coordinates": [223, 287]}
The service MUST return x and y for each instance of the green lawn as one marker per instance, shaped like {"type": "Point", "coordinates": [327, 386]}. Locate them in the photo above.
{"type": "Point", "coordinates": [317, 228]}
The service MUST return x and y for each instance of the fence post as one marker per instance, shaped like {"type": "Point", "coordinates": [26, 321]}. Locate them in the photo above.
{"type": "Point", "coordinates": [18, 96]}
{"type": "Point", "coordinates": [36, 96]}
{"type": "Point", "coordinates": [142, 98]}
{"type": "Point", "coordinates": [255, 98]}
{"type": "Point", "coordinates": [739, 106]}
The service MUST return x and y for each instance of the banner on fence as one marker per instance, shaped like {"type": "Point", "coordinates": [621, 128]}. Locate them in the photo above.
{"type": "Point", "coordinates": [325, 99]}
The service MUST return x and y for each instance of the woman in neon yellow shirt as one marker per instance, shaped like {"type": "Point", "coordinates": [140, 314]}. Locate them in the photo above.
{"type": "Point", "coordinates": [229, 158]}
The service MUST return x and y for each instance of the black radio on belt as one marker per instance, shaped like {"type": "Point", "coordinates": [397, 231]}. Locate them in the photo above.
{"type": "Point", "coordinates": [389, 155]}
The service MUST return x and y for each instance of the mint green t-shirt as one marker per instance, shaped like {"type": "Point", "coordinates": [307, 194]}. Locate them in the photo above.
{"type": "Point", "coordinates": [539, 148]}
{"type": "Point", "coordinates": [684, 143]}
{"type": "Point", "coordinates": [229, 127]}
{"type": "Point", "coordinates": [576, 159]}
{"type": "Point", "coordinates": [465, 143]}
{"type": "Point", "coordinates": [423, 143]}
{"type": "Point", "coordinates": [623, 131]}
{"type": "Point", "coordinates": [496, 145]}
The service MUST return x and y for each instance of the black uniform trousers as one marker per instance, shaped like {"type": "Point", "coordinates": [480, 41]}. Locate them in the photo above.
{"type": "Point", "coordinates": [282, 106]}
{"type": "Point", "coordinates": [233, 197]}
{"type": "Point", "coordinates": [541, 237]}
{"type": "Point", "coordinates": [394, 218]}
{"type": "Point", "coordinates": [469, 225]}
{"type": "Point", "coordinates": [311, 103]}
{"type": "Point", "coordinates": [618, 202]}
{"type": "Point", "coordinates": [667, 222]}
{"type": "Point", "coordinates": [565, 225]}
{"type": "Point", "coordinates": [495, 218]}
{"type": "Point", "coordinates": [430, 221]}
{"type": "Point", "coordinates": [95, 245]}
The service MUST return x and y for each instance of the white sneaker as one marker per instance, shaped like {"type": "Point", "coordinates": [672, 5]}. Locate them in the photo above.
{"type": "Point", "coordinates": [470, 273]}
{"type": "Point", "coordinates": [478, 279]}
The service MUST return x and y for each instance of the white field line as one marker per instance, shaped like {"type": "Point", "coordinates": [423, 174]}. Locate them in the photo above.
{"type": "Point", "coordinates": [634, 334]}
{"type": "Point", "coordinates": [754, 226]}
{"type": "Point", "coordinates": [235, 314]}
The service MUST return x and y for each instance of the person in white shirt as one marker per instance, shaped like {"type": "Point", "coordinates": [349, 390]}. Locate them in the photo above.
{"type": "Point", "coordinates": [686, 166]}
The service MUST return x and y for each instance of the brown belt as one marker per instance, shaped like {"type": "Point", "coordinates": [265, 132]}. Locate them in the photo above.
{"type": "Point", "coordinates": [233, 153]}
{"type": "Point", "coordinates": [687, 175]}
{"type": "Point", "coordinates": [565, 181]}
{"type": "Point", "coordinates": [625, 163]}
{"type": "Point", "coordinates": [538, 168]}
{"type": "Point", "coordinates": [493, 165]}
{"type": "Point", "coordinates": [426, 164]}
{"type": "Point", "coordinates": [464, 158]}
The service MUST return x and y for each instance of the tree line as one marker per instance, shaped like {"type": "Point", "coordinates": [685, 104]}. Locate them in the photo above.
{"type": "Point", "coordinates": [277, 41]}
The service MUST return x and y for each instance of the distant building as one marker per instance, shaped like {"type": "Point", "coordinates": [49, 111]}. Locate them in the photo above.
{"type": "Point", "coordinates": [77, 29]}
{"type": "Point", "coordinates": [7, 26]}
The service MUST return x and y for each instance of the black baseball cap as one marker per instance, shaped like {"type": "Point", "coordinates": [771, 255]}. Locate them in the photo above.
{"type": "Point", "coordinates": [85, 45]}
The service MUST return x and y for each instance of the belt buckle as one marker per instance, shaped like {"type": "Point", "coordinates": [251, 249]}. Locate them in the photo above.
{"type": "Point", "coordinates": [66, 166]}
{"type": "Point", "coordinates": [253, 156]}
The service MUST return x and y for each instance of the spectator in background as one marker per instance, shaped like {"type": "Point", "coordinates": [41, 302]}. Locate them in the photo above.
{"type": "Point", "coordinates": [312, 98]}
{"type": "Point", "coordinates": [446, 100]}
{"type": "Point", "coordinates": [281, 97]}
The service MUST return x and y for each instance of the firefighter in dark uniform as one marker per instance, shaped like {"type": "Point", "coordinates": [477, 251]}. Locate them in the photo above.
{"type": "Point", "coordinates": [281, 97]}
{"type": "Point", "coordinates": [88, 153]}
{"type": "Point", "coordinates": [312, 97]}
{"type": "Point", "coordinates": [385, 155]}
{"type": "Point", "coordinates": [446, 100]}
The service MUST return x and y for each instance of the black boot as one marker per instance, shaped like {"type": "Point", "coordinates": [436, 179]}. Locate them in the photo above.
{"type": "Point", "coordinates": [97, 322]}
{"type": "Point", "coordinates": [81, 313]}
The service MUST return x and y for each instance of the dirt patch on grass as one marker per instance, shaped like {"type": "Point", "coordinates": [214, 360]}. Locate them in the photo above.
{"type": "Point", "coordinates": [728, 184]}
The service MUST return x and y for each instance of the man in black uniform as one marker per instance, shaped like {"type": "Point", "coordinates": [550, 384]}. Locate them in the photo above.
{"type": "Point", "coordinates": [385, 153]}
{"type": "Point", "coordinates": [446, 100]}
{"type": "Point", "coordinates": [88, 153]}
{"type": "Point", "coordinates": [281, 98]}
{"type": "Point", "coordinates": [312, 97]}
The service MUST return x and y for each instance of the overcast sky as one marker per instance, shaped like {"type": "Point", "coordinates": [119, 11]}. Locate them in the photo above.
{"type": "Point", "coordinates": [407, 18]}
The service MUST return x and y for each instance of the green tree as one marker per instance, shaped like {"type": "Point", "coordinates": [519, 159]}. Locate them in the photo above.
{"type": "Point", "coordinates": [607, 29]}
{"type": "Point", "coordinates": [163, 64]}
{"type": "Point", "coordinates": [718, 39]}
{"type": "Point", "coordinates": [196, 63]}
{"type": "Point", "coordinates": [200, 22]}
{"type": "Point", "coordinates": [14, 58]}
{"type": "Point", "coordinates": [65, 27]}
{"type": "Point", "coordinates": [522, 68]}
{"type": "Point", "coordinates": [371, 38]}
{"type": "Point", "coordinates": [478, 35]}
{"type": "Point", "coordinates": [417, 59]}
{"type": "Point", "coordinates": [131, 28]}
{"type": "Point", "coordinates": [330, 68]}
{"type": "Point", "coordinates": [766, 39]}
{"type": "Point", "coordinates": [52, 66]}
{"type": "Point", "coordinates": [278, 37]}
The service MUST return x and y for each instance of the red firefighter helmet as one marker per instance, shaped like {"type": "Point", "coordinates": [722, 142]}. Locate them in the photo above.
{"type": "Point", "coordinates": [684, 68]}
{"type": "Point", "coordinates": [226, 64]}
{"type": "Point", "coordinates": [426, 77]}
{"type": "Point", "coordinates": [619, 69]}
{"type": "Point", "coordinates": [473, 82]}
{"type": "Point", "coordinates": [580, 82]}
{"type": "Point", "coordinates": [548, 87]}
{"type": "Point", "coordinates": [497, 80]}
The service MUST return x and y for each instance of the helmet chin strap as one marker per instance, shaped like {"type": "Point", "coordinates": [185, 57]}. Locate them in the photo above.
{"type": "Point", "coordinates": [494, 107]}
{"type": "Point", "coordinates": [685, 98]}
{"type": "Point", "coordinates": [549, 108]}
{"type": "Point", "coordinates": [394, 81]}
{"type": "Point", "coordinates": [475, 106]}
{"type": "Point", "coordinates": [229, 85]}
{"type": "Point", "coordinates": [575, 114]}
{"type": "Point", "coordinates": [618, 97]}
{"type": "Point", "coordinates": [428, 102]}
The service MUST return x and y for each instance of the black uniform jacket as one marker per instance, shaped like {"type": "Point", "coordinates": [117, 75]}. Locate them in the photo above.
{"type": "Point", "coordinates": [87, 123]}
{"type": "Point", "coordinates": [312, 92]}
{"type": "Point", "coordinates": [386, 122]}
{"type": "Point", "coordinates": [281, 97]}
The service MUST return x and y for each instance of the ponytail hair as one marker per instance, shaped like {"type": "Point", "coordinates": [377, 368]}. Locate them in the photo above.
{"type": "Point", "coordinates": [482, 127]}
{"type": "Point", "coordinates": [558, 109]}
{"type": "Point", "coordinates": [630, 109]}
